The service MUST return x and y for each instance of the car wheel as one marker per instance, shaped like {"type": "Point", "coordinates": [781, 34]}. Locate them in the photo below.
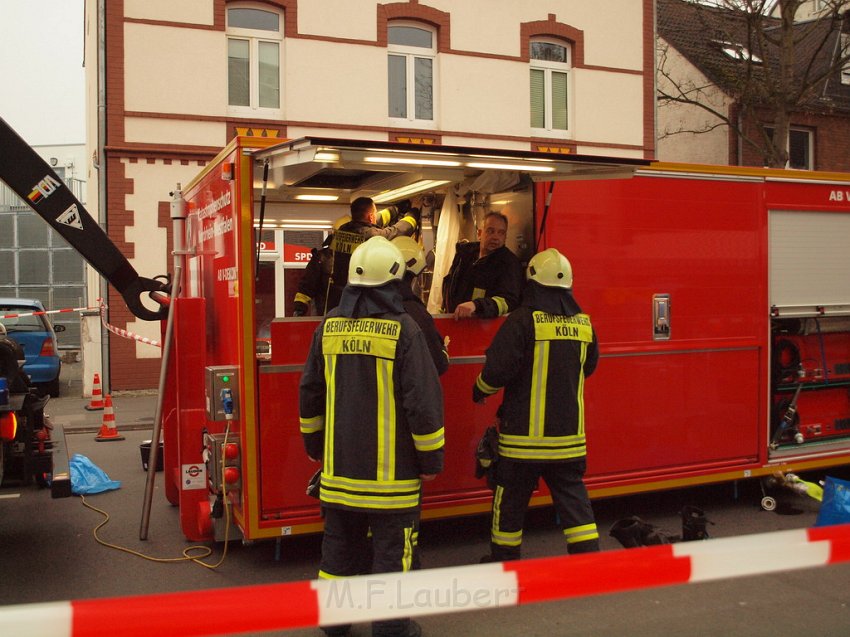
{"type": "Point", "coordinates": [50, 387]}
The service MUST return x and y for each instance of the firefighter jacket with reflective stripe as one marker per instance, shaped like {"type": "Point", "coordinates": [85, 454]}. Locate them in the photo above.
{"type": "Point", "coordinates": [541, 360]}
{"type": "Point", "coordinates": [314, 283]}
{"type": "Point", "coordinates": [372, 408]}
{"type": "Point", "coordinates": [414, 306]}
{"type": "Point", "coordinates": [346, 240]}
{"type": "Point", "coordinates": [494, 282]}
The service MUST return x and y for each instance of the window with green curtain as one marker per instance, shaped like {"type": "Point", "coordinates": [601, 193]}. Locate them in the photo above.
{"type": "Point", "coordinates": [538, 99]}
{"type": "Point", "coordinates": [238, 73]}
{"type": "Point", "coordinates": [269, 73]}
{"type": "Point", "coordinates": [397, 89]}
{"type": "Point", "coordinates": [559, 101]}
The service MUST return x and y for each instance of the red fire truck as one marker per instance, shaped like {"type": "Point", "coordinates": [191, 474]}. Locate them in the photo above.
{"type": "Point", "coordinates": [721, 298]}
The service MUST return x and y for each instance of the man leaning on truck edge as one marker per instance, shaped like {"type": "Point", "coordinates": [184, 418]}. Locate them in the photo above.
{"type": "Point", "coordinates": [371, 407]}
{"type": "Point", "coordinates": [486, 278]}
{"type": "Point", "coordinates": [541, 356]}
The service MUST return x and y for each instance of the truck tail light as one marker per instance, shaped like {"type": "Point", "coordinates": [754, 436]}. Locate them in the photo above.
{"type": "Point", "coordinates": [8, 426]}
{"type": "Point", "coordinates": [48, 348]}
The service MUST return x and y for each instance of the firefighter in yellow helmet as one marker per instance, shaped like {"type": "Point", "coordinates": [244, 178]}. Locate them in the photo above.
{"type": "Point", "coordinates": [541, 356]}
{"type": "Point", "coordinates": [313, 286]}
{"type": "Point", "coordinates": [371, 409]}
{"type": "Point", "coordinates": [414, 261]}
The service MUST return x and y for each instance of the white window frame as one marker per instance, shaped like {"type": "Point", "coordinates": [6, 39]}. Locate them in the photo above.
{"type": "Point", "coordinates": [254, 38]}
{"type": "Point", "coordinates": [810, 135]}
{"type": "Point", "coordinates": [845, 47]}
{"type": "Point", "coordinates": [547, 68]}
{"type": "Point", "coordinates": [410, 53]}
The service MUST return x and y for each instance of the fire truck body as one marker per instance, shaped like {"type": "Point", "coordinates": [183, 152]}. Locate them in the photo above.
{"type": "Point", "coordinates": [692, 276]}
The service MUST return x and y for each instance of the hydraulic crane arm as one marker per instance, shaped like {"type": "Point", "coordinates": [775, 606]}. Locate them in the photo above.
{"type": "Point", "coordinates": [35, 182]}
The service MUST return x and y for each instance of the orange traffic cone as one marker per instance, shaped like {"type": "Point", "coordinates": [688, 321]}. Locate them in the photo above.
{"type": "Point", "coordinates": [108, 430]}
{"type": "Point", "coordinates": [96, 402]}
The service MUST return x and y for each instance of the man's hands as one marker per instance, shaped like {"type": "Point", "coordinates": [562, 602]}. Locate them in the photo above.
{"type": "Point", "coordinates": [427, 477]}
{"type": "Point", "coordinates": [465, 310]}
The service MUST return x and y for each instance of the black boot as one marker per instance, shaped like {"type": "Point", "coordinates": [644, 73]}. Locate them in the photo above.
{"type": "Point", "coordinates": [628, 532]}
{"type": "Point", "coordinates": [694, 524]}
{"type": "Point", "coordinates": [633, 532]}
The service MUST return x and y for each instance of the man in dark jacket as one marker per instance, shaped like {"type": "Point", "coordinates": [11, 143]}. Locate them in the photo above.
{"type": "Point", "coordinates": [313, 286]}
{"type": "Point", "coordinates": [541, 356]}
{"type": "Point", "coordinates": [371, 407]}
{"type": "Point", "coordinates": [414, 261]}
{"type": "Point", "coordinates": [485, 279]}
{"type": "Point", "coordinates": [363, 225]}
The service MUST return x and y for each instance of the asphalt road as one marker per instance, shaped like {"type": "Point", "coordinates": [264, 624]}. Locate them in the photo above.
{"type": "Point", "coordinates": [48, 553]}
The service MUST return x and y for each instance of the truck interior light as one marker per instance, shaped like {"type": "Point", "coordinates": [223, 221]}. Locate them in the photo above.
{"type": "Point", "coordinates": [327, 156]}
{"type": "Point", "coordinates": [520, 167]}
{"type": "Point", "coordinates": [413, 161]}
{"type": "Point", "coordinates": [410, 189]}
{"type": "Point", "coordinates": [317, 197]}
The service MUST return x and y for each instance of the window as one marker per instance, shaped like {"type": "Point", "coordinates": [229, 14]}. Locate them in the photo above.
{"type": "Point", "coordinates": [411, 53]}
{"type": "Point", "coordinates": [800, 152]}
{"type": "Point", "coordinates": [253, 59]}
{"type": "Point", "coordinates": [549, 83]}
{"type": "Point", "coordinates": [845, 51]}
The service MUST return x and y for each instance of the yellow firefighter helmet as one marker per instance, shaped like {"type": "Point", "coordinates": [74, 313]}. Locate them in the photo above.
{"type": "Point", "coordinates": [550, 268]}
{"type": "Point", "coordinates": [414, 255]}
{"type": "Point", "coordinates": [374, 263]}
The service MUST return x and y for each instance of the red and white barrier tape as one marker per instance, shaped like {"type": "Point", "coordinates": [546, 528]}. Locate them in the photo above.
{"type": "Point", "coordinates": [45, 312]}
{"type": "Point", "coordinates": [122, 332]}
{"type": "Point", "coordinates": [429, 592]}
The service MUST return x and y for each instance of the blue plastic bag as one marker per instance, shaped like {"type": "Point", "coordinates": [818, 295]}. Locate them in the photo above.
{"type": "Point", "coordinates": [87, 477]}
{"type": "Point", "coordinates": [835, 508]}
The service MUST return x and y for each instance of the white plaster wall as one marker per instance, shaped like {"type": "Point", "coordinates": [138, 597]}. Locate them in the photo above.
{"type": "Point", "coordinates": [349, 19]}
{"type": "Point", "coordinates": [151, 185]}
{"type": "Point", "coordinates": [710, 147]}
{"type": "Point", "coordinates": [145, 130]}
{"type": "Point", "coordinates": [493, 26]}
{"type": "Point", "coordinates": [484, 95]}
{"type": "Point", "coordinates": [173, 70]}
{"type": "Point", "coordinates": [607, 107]}
{"type": "Point", "coordinates": [318, 131]}
{"type": "Point", "coordinates": [356, 92]}
{"type": "Point", "coordinates": [191, 11]}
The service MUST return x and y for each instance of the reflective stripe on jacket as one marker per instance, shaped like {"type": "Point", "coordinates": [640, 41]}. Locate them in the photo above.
{"type": "Point", "coordinates": [371, 407]}
{"type": "Point", "coordinates": [541, 360]}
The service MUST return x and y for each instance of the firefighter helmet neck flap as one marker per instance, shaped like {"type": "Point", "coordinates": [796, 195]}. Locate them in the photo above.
{"type": "Point", "coordinates": [374, 263]}
{"type": "Point", "coordinates": [414, 255]}
{"type": "Point", "coordinates": [551, 269]}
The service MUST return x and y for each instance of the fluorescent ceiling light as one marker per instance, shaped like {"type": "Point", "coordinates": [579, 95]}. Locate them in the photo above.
{"type": "Point", "coordinates": [415, 161]}
{"type": "Point", "coordinates": [326, 155]}
{"type": "Point", "coordinates": [411, 189]}
{"type": "Point", "coordinates": [520, 167]}
{"type": "Point", "coordinates": [317, 197]}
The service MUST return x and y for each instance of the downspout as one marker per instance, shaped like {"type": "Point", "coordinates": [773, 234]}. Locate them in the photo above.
{"type": "Point", "coordinates": [101, 180]}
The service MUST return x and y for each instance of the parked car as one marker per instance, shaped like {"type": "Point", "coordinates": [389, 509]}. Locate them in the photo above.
{"type": "Point", "coordinates": [35, 334]}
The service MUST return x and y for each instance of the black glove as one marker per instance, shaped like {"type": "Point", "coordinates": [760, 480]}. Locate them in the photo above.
{"type": "Point", "coordinates": [478, 396]}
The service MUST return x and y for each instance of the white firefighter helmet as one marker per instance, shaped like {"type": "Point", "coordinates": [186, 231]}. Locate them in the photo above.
{"type": "Point", "coordinates": [374, 263]}
{"type": "Point", "coordinates": [414, 255]}
{"type": "Point", "coordinates": [550, 268]}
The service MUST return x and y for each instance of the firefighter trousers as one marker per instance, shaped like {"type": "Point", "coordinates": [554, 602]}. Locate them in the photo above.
{"type": "Point", "coordinates": [516, 481]}
{"type": "Point", "coordinates": [347, 539]}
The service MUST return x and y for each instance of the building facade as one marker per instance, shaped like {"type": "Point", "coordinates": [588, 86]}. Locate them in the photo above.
{"type": "Point", "coordinates": [707, 57]}
{"type": "Point", "coordinates": [35, 261]}
{"type": "Point", "coordinates": [169, 84]}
